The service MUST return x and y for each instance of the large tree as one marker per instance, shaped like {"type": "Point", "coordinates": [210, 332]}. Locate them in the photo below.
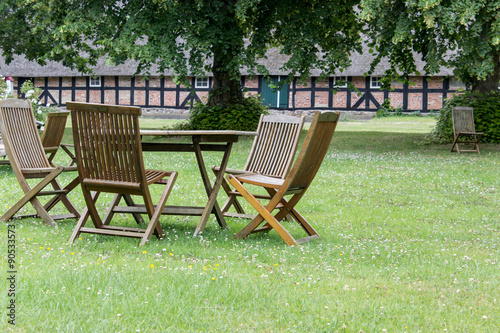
{"type": "Point", "coordinates": [191, 37]}
{"type": "Point", "coordinates": [464, 35]}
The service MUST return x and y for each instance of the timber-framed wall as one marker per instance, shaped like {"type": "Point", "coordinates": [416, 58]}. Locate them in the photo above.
{"type": "Point", "coordinates": [426, 94]}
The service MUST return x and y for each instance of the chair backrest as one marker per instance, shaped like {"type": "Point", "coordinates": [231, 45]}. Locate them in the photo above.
{"type": "Point", "coordinates": [20, 135]}
{"type": "Point", "coordinates": [274, 148]}
{"type": "Point", "coordinates": [108, 147]}
{"type": "Point", "coordinates": [312, 152]}
{"type": "Point", "coordinates": [54, 130]}
{"type": "Point", "coordinates": [463, 119]}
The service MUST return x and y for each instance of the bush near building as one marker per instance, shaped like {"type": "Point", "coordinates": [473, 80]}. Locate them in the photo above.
{"type": "Point", "coordinates": [486, 116]}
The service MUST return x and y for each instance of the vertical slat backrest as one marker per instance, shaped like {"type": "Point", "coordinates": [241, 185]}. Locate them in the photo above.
{"type": "Point", "coordinates": [54, 129]}
{"type": "Point", "coordinates": [312, 152]}
{"type": "Point", "coordinates": [107, 143]}
{"type": "Point", "coordinates": [274, 148]}
{"type": "Point", "coordinates": [20, 135]}
{"type": "Point", "coordinates": [463, 119]}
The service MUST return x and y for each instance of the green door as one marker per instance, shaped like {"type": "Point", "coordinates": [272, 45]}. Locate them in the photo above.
{"type": "Point", "coordinates": [271, 96]}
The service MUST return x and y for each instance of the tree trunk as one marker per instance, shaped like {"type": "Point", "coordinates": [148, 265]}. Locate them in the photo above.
{"type": "Point", "coordinates": [226, 88]}
{"type": "Point", "coordinates": [491, 83]}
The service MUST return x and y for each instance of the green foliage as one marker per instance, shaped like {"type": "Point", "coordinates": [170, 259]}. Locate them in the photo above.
{"type": "Point", "coordinates": [486, 116]}
{"type": "Point", "coordinates": [3, 88]}
{"type": "Point", "coordinates": [240, 117]}
{"type": "Point", "coordinates": [196, 37]}
{"type": "Point", "coordinates": [463, 35]}
{"type": "Point", "coordinates": [33, 93]}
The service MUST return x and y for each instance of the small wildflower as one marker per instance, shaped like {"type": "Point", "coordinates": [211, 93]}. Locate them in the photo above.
{"type": "Point", "coordinates": [144, 252]}
{"type": "Point", "coordinates": [152, 266]}
{"type": "Point", "coordinates": [213, 279]}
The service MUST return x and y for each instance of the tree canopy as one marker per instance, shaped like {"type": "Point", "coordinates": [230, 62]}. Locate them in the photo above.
{"type": "Point", "coordinates": [190, 37]}
{"type": "Point", "coordinates": [464, 35]}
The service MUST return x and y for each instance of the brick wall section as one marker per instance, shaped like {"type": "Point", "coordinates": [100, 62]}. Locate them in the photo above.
{"type": "Point", "coordinates": [95, 96]}
{"type": "Point", "coordinates": [81, 82]}
{"type": "Point", "coordinates": [109, 81]}
{"type": "Point", "coordinates": [321, 99]}
{"type": "Point", "coordinates": [169, 83]}
{"type": "Point", "coordinates": [154, 98]}
{"type": "Point", "coordinates": [435, 82]}
{"type": "Point", "coordinates": [358, 82]}
{"type": "Point", "coordinates": [396, 99]}
{"type": "Point", "coordinates": [339, 100]}
{"type": "Point", "coordinates": [124, 97]}
{"type": "Point", "coordinates": [324, 83]}
{"type": "Point", "coordinates": [139, 97]}
{"type": "Point", "coordinates": [67, 82]}
{"type": "Point", "coordinates": [302, 99]}
{"type": "Point", "coordinates": [124, 81]}
{"type": "Point", "coordinates": [154, 82]}
{"type": "Point", "coordinates": [418, 83]}
{"type": "Point", "coordinates": [109, 97]}
{"type": "Point", "coordinates": [251, 83]}
{"type": "Point", "coordinates": [415, 101]}
{"type": "Point", "coordinates": [434, 101]}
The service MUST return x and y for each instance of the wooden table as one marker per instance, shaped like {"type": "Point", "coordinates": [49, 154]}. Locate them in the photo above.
{"type": "Point", "coordinates": [201, 141]}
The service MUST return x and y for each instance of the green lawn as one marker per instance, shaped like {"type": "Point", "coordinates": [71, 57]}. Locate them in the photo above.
{"type": "Point", "coordinates": [410, 244]}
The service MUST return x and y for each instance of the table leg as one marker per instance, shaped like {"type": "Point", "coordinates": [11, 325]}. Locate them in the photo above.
{"type": "Point", "coordinates": [212, 205]}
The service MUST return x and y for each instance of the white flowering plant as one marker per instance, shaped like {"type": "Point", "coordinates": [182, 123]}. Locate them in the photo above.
{"type": "Point", "coordinates": [33, 94]}
{"type": "Point", "coordinates": [4, 93]}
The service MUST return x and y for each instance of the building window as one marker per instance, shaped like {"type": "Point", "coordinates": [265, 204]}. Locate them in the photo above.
{"type": "Point", "coordinates": [95, 81]}
{"type": "Point", "coordinates": [375, 82]}
{"type": "Point", "coordinates": [340, 82]}
{"type": "Point", "coordinates": [201, 82]}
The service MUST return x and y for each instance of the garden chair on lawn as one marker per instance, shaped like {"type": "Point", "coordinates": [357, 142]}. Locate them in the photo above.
{"type": "Point", "coordinates": [53, 134]}
{"type": "Point", "coordinates": [271, 155]}
{"type": "Point", "coordinates": [28, 160]}
{"type": "Point", "coordinates": [109, 159]}
{"type": "Point", "coordinates": [464, 131]}
{"type": "Point", "coordinates": [295, 183]}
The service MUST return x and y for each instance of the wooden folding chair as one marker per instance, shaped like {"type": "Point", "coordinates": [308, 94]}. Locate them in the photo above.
{"type": "Point", "coordinates": [271, 155]}
{"type": "Point", "coordinates": [295, 183]}
{"type": "Point", "coordinates": [53, 134]}
{"type": "Point", "coordinates": [28, 160]}
{"type": "Point", "coordinates": [109, 159]}
{"type": "Point", "coordinates": [464, 131]}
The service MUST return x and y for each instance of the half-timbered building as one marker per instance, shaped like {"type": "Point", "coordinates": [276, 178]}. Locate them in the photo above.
{"type": "Point", "coordinates": [118, 85]}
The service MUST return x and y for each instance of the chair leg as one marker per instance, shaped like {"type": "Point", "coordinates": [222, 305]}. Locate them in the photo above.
{"type": "Point", "coordinates": [69, 153]}
{"type": "Point", "coordinates": [30, 196]}
{"type": "Point", "coordinates": [83, 219]}
{"type": "Point", "coordinates": [64, 198]}
{"type": "Point", "coordinates": [232, 200]}
{"type": "Point", "coordinates": [154, 223]}
{"type": "Point", "coordinates": [264, 213]}
{"type": "Point", "coordinates": [116, 201]}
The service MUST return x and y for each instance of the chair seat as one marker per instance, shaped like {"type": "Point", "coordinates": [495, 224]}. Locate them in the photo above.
{"type": "Point", "coordinates": [261, 180]}
{"type": "Point", "coordinates": [152, 176]}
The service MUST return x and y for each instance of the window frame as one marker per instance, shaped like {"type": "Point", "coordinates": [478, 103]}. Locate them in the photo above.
{"type": "Point", "coordinates": [201, 83]}
{"type": "Point", "coordinates": [340, 78]}
{"type": "Point", "coordinates": [375, 80]}
{"type": "Point", "coordinates": [93, 84]}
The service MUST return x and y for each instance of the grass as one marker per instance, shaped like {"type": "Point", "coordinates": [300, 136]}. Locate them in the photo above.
{"type": "Point", "coordinates": [410, 244]}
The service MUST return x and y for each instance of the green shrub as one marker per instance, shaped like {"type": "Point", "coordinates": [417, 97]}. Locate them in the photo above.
{"type": "Point", "coordinates": [238, 117]}
{"type": "Point", "coordinates": [486, 116]}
